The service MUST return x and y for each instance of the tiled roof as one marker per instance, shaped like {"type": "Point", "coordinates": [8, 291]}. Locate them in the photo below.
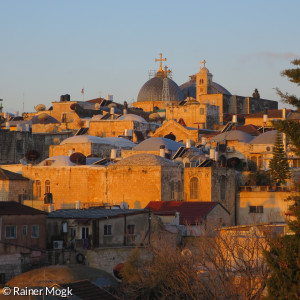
{"type": "Point", "coordinates": [8, 175]}
{"type": "Point", "coordinates": [250, 129]}
{"type": "Point", "coordinates": [189, 212]}
{"type": "Point", "coordinates": [272, 113]}
{"type": "Point", "coordinates": [92, 213]}
{"type": "Point", "coordinates": [15, 208]}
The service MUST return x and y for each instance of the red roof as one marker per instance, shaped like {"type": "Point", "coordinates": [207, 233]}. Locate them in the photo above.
{"type": "Point", "coordinates": [15, 208]}
{"type": "Point", "coordinates": [250, 129]}
{"type": "Point", "coordinates": [189, 212]}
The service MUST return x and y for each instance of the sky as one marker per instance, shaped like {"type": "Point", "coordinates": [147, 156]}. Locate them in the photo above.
{"type": "Point", "coordinates": [50, 48]}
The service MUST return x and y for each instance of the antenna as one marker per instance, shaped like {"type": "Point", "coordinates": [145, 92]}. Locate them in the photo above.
{"type": "Point", "coordinates": [151, 73]}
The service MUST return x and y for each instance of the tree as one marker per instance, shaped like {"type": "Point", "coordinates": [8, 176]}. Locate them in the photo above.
{"type": "Point", "coordinates": [256, 94]}
{"type": "Point", "coordinates": [279, 167]}
{"type": "Point", "coordinates": [283, 257]}
{"type": "Point", "coordinates": [225, 265]}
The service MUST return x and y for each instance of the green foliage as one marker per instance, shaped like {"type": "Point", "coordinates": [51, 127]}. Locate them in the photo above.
{"type": "Point", "coordinates": [259, 178]}
{"type": "Point", "coordinates": [283, 258]}
{"type": "Point", "coordinates": [279, 167]}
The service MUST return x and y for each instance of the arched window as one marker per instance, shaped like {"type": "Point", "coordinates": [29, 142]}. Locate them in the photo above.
{"type": "Point", "coordinates": [38, 189]}
{"type": "Point", "coordinates": [194, 188]}
{"type": "Point", "coordinates": [47, 186]}
{"type": "Point", "coordinates": [260, 163]}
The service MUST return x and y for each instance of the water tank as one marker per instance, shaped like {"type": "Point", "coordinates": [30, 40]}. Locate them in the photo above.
{"type": "Point", "coordinates": [67, 97]}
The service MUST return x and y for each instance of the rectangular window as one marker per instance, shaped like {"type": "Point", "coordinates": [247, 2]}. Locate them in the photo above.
{"type": "Point", "coordinates": [131, 229]}
{"type": "Point", "coordinates": [63, 117]}
{"type": "Point", "coordinates": [256, 209]}
{"type": "Point", "coordinates": [24, 230]}
{"type": "Point", "coordinates": [201, 111]}
{"type": "Point", "coordinates": [84, 232]}
{"type": "Point", "coordinates": [11, 231]}
{"type": "Point", "coordinates": [107, 229]}
{"type": "Point", "coordinates": [35, 231]}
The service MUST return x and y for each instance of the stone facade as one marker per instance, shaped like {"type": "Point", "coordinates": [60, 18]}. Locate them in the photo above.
{"type": "Point", "coordinates": [194, 113]}
{"type": "Point", "coordinates": [136, 183]}
{"type": "Point", "coordinates": [211, 184]}
{"type": "Point", "coordinates": [15, 144]}
{"type": "Point", "coordinates": [256, 207]}
{"type": "Point", "coordinates": [15, 190]}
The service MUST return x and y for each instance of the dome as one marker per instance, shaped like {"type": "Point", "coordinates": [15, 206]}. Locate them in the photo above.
{"type": "Point", "coordinates": [153, 88]}
{"type": "Point", "coordinates": [154, 143]}
{"type": "Point", "coordinates": [132, 117]}
{"type": "Point", "coordinates": [234, 135]}
{"type": "Point", "coordinates": [267, 138]}
{"type": "Point", "coordinates": [43, 119]}
{"type": "Point", "coordinates": [189, 89]}
{"type": "Point", "coordinates": [146, 160]}
{"type": "Point", "coordinates": [59, 274]}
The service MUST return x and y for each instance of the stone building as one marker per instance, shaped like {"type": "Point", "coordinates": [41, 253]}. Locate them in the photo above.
{"type": "Point", "coordinates": [136, 180]}
{"type": "Point", "coordinates": [97, 227]}
{"type": "Point", "coordinates": [14, 145]}
{"type": "Point", "coordinates": [14, 187]}
{"type": "Point", "coordinates": [211, 184]}
{"type": "Point", "coordinates": [90, 145]}
{"type": "Point", "coordinates": [194, 114]}
{"type": "Point", "coordinates": [22, 238]}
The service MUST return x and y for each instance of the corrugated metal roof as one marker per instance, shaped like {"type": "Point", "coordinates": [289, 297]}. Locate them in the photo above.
{"type": "Point", "coordinates": [92, 213]}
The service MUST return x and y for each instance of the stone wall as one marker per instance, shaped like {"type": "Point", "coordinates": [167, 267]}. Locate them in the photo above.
{"type": "Point", "coordinates": [15, 190]}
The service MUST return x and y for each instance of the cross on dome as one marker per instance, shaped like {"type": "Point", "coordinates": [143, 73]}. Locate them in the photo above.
{"type": "Point", "coordinates": [160, 59]}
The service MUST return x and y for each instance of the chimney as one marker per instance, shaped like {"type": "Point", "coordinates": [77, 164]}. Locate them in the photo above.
{"type": "Point", "coordinates": [216, 156]}
{"type": "Point", "coordinates": [124, 111]}
{"type": "Point", "coordinates": [176, 219]}
{"type": "Point", "coordinates": [203, 140]}
{"type": "Point", "coordinates": [112, 110]}
{"type": "Point", "coordinates": [265, 116]}
{"type": "Point", "coordinates": [113, 153]}
{"type": "Point", "coordinates": [50, 208]}
{"type": "Point", "coordinates": [234, 119]}
{"type": "Point", "coordinates": [188, 143]}
{"type": "Point", "coordinates": [212, 153]}
{"type": "Point", "coordinates": [284, 113]}
{"type": "Point", "coordinates": [162, 150]}
{"type": "Point", "coordinates": [77, 204]}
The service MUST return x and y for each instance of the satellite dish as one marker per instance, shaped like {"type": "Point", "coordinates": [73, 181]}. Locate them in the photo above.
{"type": "Point", "coordinates": [186, 253]}
{"type": "Point", "coordinates": [32, 155]}
{"type": "Point", "coordinates": [124, 205]}
{"type": "Point", "coordinates": [40, 107]}
{"type": "Point", "coordinates": [74, 106]}
{"type": "Point", "coordinates": [118, 270]}
{"type": "Point", "coordinates": [78, 158]}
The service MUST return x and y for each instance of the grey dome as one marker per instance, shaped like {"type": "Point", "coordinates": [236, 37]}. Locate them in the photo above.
{"type": "Point", "coordinates": [234, 135]}
{"type": "Point", "coordinates": [267, 138]}
{"type": "Point", "coordinates": [189, 89]}
{"type": "Point", "coordinates": [152, 90]}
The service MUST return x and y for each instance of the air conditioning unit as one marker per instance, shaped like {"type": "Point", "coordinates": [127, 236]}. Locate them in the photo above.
{"type": "Point", "coordinates": [58, 245]}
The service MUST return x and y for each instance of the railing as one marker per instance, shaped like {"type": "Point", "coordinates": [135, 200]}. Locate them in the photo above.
{"type": "Point", "coordinates": [266, 188]}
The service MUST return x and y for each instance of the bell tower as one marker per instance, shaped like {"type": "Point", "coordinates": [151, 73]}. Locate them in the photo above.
{"type": "Point", "coordinates": [203, 81]}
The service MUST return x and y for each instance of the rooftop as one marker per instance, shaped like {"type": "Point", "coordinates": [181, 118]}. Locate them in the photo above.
{"type": "Point", "coordinates": [8, 175]}
{"type": "Point", "coordinates": [15, 208]}
{"type": "Point", "coordinates": [189, 212]}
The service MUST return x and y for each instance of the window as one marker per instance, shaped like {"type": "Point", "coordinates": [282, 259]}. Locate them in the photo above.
{"type": "Point", "coordinates": [11, 231]}
{"type": "Point", "coordinates": [38, 190]}
{"type": "Point", "coordinates": [24, 230]}
{"type": "Point", "coordinates": [194, 188]}
{"type": "Point", "coordinates": [47, 186]}
{"type": "Point", "coordinates": [107, 229]}
{"type": "Point", "coordinates": [201, 111]}
{"type": "Point", "coordinates": [130, 229]}
{"type": "Point", "coordinates": [256, 209]}
{"type": "Point", "coordinates": [35, 231]}
{"type": "Point", "coordinates": [63, 117]}
{"type": "Point", "coordinates": [84, 232]}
